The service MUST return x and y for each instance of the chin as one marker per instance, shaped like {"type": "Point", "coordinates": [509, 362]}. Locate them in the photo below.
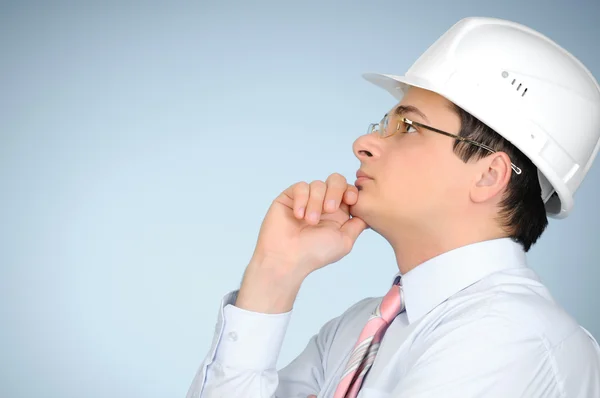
{"type": "Point", "coordinates": [360, 209]}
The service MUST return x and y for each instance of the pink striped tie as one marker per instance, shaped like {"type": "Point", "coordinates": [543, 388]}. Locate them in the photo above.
{"type": "Point", "coordinates": [365, 349]}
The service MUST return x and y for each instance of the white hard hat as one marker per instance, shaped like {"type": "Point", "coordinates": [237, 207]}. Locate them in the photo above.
{"type": "Point", "coordinates": [525, 87]}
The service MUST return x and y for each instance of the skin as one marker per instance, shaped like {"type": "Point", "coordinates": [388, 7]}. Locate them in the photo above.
{"type": "Point", "coordinates": [421, 198]}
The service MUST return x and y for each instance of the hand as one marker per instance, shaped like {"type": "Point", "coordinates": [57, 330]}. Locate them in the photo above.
{"type": "Point", "coordinates": [312, 396]}
{"type": "Point", "coordinates": [309, 226]}
{"type": "Point", "coordinates": [301, 232]}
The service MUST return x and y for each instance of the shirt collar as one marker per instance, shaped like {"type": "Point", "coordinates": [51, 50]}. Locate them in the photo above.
{"type": "Point", "coordinates": [434, 281]}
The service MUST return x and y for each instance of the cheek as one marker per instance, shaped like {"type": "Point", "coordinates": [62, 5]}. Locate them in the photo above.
{"type": "Point", "coordinates": [420, 179]}
{"type": "Point", "coordinates": [408, 177]}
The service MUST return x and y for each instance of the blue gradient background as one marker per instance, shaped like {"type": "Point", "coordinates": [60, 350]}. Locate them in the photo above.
{"type": "Point", "coordinates": [141, 145]}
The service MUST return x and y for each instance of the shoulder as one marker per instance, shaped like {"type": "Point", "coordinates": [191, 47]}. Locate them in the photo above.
{"type": "Point", "coordinates": [537, 317]}
{"type": "Point", "coordinates": [515, 312]}
{"type": "Point", "coordinates": [517, 303]}
{"type": "Point", "coordinates": [522, 334]}
{"type": "Point", "coordinates": [571, 349]}
{"type": "Point", "coordinates": [526, 340]}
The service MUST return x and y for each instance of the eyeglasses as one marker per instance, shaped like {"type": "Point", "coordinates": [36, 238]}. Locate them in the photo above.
{"type": "Point", "coordinates": [385, 128]}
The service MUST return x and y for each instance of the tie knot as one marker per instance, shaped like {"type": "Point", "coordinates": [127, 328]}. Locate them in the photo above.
{"type": "Point", "coordinates": [392, 303]}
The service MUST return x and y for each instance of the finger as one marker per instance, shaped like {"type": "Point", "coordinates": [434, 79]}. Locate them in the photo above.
{"type": "Point", "coordinates": [351, 230]}
{"type": "Point", "coordinates": [351, 195]}
{"type": "Point", "coordinates": [312, 396]}
{"type": "Point", "coordinates": [345, 208]}
{"type": "Point", "coordinates": [336, 186]}
{"type": "Point", "coordinates": [299, 193]}
{"type": "Point", "coordinates": [314, 207]}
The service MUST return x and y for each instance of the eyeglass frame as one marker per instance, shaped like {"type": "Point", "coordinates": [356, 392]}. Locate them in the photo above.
{"type": "Point", "coordinates": [372, 126]}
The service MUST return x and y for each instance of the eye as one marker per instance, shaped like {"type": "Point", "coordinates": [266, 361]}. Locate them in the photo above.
{"type": "Point", "coordinates": [409, 128]}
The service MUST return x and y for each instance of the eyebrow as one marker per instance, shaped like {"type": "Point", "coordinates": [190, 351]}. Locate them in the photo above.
{"type": "Point", "coordinates": [403, 109]}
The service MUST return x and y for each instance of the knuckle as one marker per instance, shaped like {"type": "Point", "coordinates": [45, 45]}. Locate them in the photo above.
{"type": "Point", "coordinates": [301, 184]}
{"type": "Point", "coordinates": [336, 179]}
{"type": "Point", "coordinates": [336, 176]}
{"type": "Point", "coordinates": [301, 188]}
{"type": "Point", "coordinates": [318, 185]}
{"type": "Point", "coordinates": [348, 244]}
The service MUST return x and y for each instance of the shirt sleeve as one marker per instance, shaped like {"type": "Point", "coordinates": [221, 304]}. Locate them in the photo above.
{"type": "Point", "coordinates": [486, 357]}
{"type": "Point", "coordinates": [241, 359]}
{"type": "Point", "coordinates": [243, 355]}
{"type": "Point", "coordinates": [577, 360]}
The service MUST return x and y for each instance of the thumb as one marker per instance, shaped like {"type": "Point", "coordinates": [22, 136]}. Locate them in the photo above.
{"type": "Point", "coordinates": [353, 228]}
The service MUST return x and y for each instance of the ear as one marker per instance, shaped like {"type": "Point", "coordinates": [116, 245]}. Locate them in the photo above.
{"type": "Point", "coordinates": [493, 175]}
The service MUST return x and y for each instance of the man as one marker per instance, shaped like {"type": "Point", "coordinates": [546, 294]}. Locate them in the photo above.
{"type": "Point", "coordinates": [496, 128]}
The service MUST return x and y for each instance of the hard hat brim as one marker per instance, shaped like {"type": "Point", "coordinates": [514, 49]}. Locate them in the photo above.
{"type": "Point", "coordinates": [396, 85]}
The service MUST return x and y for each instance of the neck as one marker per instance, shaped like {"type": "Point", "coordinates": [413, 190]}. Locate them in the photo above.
{"type": "Point", "coordinates": [423, 243]}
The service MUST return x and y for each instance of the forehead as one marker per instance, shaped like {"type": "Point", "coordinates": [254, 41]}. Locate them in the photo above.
{"type": "Point", "coordinates": [430, 104]}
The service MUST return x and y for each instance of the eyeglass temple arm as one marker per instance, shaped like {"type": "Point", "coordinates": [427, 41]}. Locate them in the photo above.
{"type": "Point", "coordinates": [457, 137]}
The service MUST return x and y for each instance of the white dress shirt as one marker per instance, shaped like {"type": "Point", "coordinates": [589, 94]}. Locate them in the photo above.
{"type": "Point", "coordinates": [478, 323]}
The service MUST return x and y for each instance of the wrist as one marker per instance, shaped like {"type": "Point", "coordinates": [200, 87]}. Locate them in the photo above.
{"type": "Point", "coordinates": [269, 286]}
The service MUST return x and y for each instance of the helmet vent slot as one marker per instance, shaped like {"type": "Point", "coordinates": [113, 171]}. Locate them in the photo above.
{"type": "Point", "coordinates": [505, 75]}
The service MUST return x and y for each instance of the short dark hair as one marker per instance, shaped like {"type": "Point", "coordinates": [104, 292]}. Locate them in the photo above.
{"type": "Point", "coordinates": [522, 212]}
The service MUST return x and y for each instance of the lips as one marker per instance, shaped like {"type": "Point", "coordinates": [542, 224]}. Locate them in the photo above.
{"type": "Point", "coordinates": [362, 174]}
{"type": "Point", "coordinates": [361, 177]}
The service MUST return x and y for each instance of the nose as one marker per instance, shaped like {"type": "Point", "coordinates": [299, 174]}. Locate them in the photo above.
{"type": "Point", "coordinates": [367, 146]}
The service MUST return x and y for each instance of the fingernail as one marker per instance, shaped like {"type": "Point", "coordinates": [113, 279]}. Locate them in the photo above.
{"type": "Point", "coordinates": [300, 212]}
{"type": "Point", "coordinates": [330, 204]}
{"type": "Point", "coordinates": [313, 216]}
